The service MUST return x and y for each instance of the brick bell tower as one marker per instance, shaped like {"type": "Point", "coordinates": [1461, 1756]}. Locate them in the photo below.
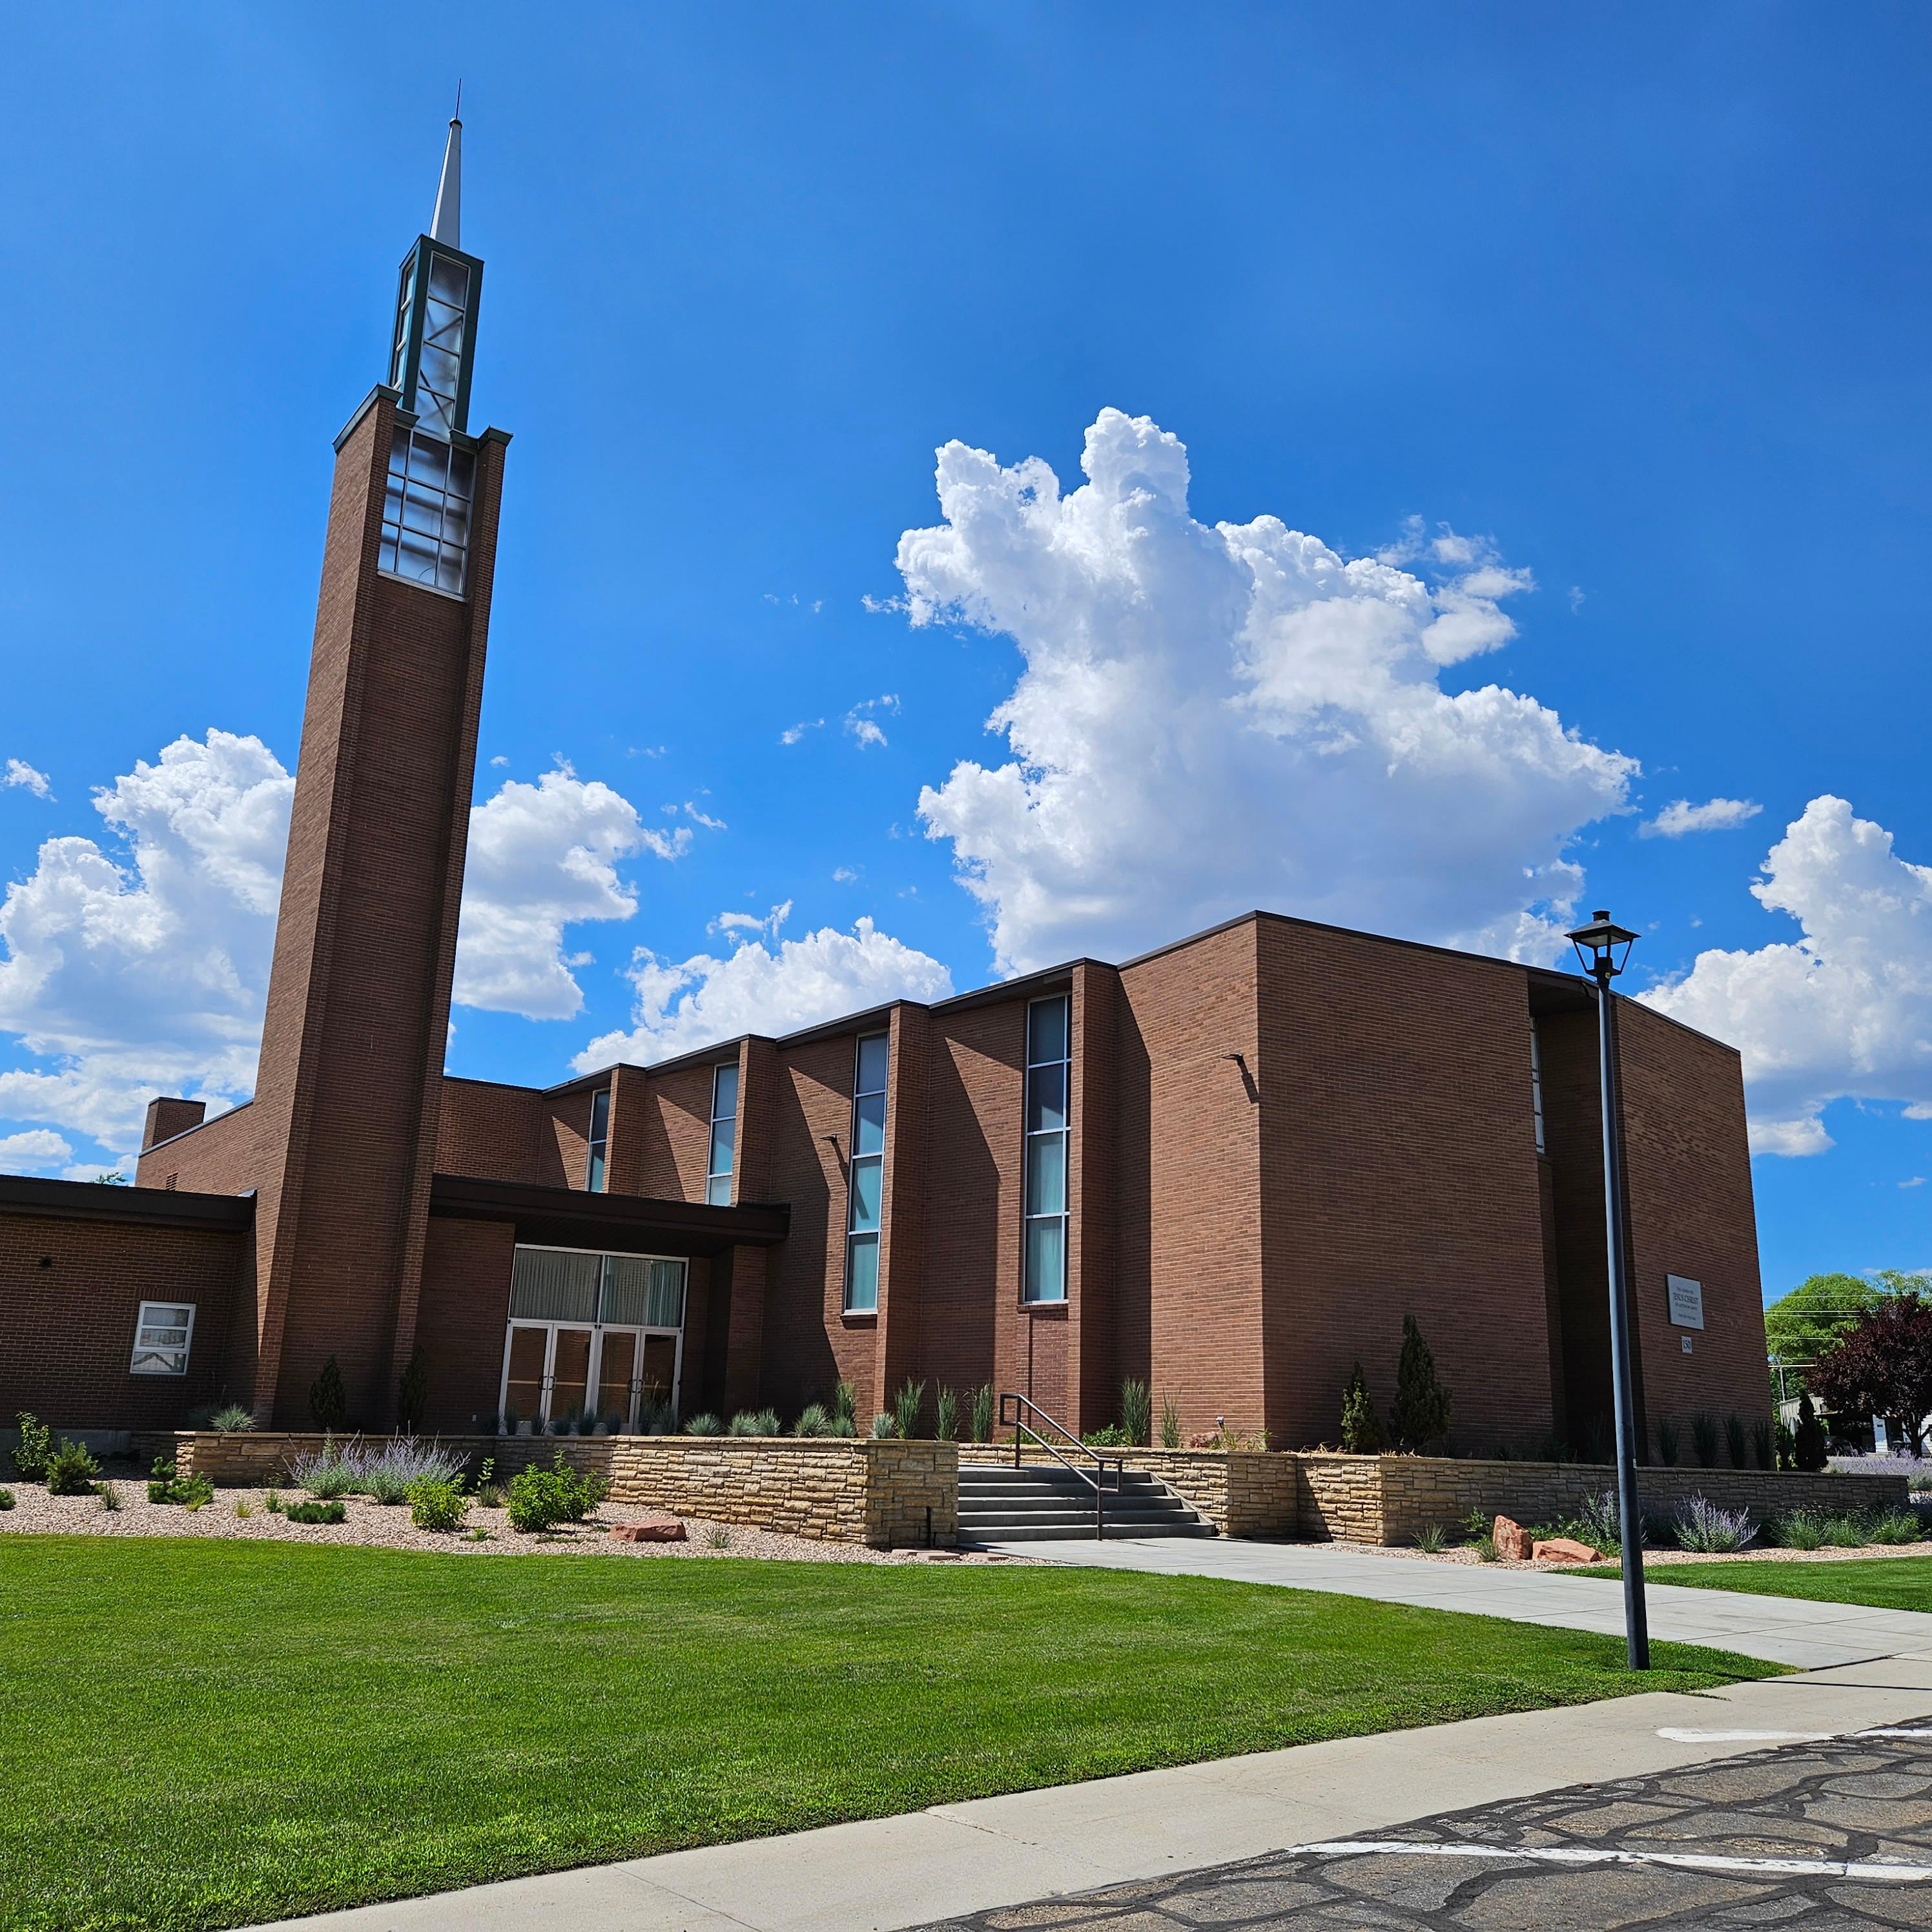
{"type": "Point", "coordinates": [348, 1093]}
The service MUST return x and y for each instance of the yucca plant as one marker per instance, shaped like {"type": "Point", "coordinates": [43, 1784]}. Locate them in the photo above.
{"type": "Point", "coordinates": [814, 1419]}
{"type": "Point", "coordinates": [704, 1424]}
{"type": "Point", "coordinates": [1432, 1539]}
{"type": "Point", "coordinates": [231, 1417]}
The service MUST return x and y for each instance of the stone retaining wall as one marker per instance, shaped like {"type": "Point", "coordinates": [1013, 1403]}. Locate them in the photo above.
{"type": "Point", "coordinates": [888, 1494]}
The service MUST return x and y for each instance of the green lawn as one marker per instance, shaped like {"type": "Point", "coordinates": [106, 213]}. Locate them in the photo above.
{"type": "Point", "coordinates": [199, 1733]}
{"type": "Point", "coordinates": [1890, 1582]}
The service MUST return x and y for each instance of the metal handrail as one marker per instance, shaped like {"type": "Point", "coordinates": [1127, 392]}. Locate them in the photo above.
{"type": "Point", "coordinates": [1016, 1423]}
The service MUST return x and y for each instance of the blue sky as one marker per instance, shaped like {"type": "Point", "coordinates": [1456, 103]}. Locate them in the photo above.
{"type": "Point", "coordinates": [1606, 334]}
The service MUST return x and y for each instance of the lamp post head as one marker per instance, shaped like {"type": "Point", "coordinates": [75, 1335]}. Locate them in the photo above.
{"type": "Point", "coordinates": [1603, 947]}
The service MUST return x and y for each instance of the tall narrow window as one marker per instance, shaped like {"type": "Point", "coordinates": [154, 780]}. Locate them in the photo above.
{"type": "Point", "coordinates": [426, 511]}
{"type": "Point", "coordinates": [1049, 1054]}
{"type": "Point", "coordinates": [1536, 1087]}
{"type": "Point", "coordinates": [600, 1141]}
{"type": "Point", "coordinates": [866, 1185]}
{"type": "Point", "coordinates": [723, 1133]}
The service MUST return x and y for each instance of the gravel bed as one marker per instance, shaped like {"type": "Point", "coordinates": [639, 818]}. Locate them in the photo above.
{"type": "Point", "coordinates": [381, 1526]}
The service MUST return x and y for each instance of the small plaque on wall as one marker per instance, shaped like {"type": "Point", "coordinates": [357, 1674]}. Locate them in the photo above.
{"type": "Point", "coordinates": [1686, 1301]}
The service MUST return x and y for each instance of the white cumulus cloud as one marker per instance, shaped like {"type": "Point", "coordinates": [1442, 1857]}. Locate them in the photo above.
{"type": "Point", "coordinates": [34, 1152]}
{"type": "Point", "coordinates": [765, 984]}
{"type": "Point", "coordinates": [861, 721]}
{"type": "Point", "coordinates": [1211, 719]}
{"type": "Point", "coordinates": [1716, 815]}
{"type": "Point", "coordinates": [139, 965]}
{"type": "Point", "coordinates": [19, 773]}
{"type": "Point", "coordinates": [543, 857]}
{"type": "Point", "coordinates": [1843, 1011]}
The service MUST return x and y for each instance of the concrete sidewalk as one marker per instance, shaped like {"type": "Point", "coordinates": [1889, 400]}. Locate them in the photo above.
{"type": "Point", "coordinates": [1806, 1635]}
{"type": "Point", "coordinates": [893, 1873]}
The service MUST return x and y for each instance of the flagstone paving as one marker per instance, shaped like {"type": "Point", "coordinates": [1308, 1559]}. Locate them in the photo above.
{"type": "Point", "coordinates": [1816, 1835]}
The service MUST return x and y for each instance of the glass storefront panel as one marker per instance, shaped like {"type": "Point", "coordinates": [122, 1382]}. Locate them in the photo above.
{"type": "Point", "coordinates": [523, 1385]}
{"type": "Point", "coordinates": [570, 1376]}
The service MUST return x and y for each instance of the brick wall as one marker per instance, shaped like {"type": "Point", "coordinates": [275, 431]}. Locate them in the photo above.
{"type": "Point", "coordinates": [71, 1292]}
{"type": "Point", "coordinates": [463, 1314]}
{"type": "Point", "coordinates": [496, 1133]}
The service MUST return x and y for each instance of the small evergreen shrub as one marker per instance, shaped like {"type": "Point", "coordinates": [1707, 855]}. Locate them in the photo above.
{"type": "Point", "coordinates": [908, 1401]}
{"type": "Point", "coordinates": [1136, 1413]}
{"type": "Point", "coordinates": [231, 1418]}
{"type": "Point", "coordinates": [35, 1447]}
{"type": "Point", "coordinates": [1420, 1415]}
{"type": "Point", "coordinates": [437, 1504]}
{"type": "Point", "coordinates": [755, 1422]}
{"type": "Point", "coordinates": [6, 1499]}
{"type": "Point", "coordinates": [1704, 1439]}
{"type": "Point", "coordinates": [165, 1485]}
{"type": "Point", "coordinates": [412, 1393]}
{"type": "Point", "coordinates": [316, 1512]}
{"type": "Point", "coordinates": [1736, 1442]}
{"type": "Point", "coordinates": [706, 1424]}
{"type": "Point", "coordinates": [1764, 1444]}
{"type": "Point", "coordinates": [1361, 1433]}
{"type": "Point", "coordinates": [1787, 1446]}
{"type": "Point", "coordinates": [327, 1400]}
{"type": "Point", "coordinates": [982, 1413]}
{"type": "Point", "coordinates": [1808, 1445]}
{"type": "Point", "coordinates": [946, 1415]}
{"type": "Point", "coordinates": [814, 1419]}
{"type": "Point", "coordinates": [72, 1471]}
{"type": "Point", "coordinates": [1171, 1436]}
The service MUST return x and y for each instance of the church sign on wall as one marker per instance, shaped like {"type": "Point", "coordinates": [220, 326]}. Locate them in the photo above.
{"type": "Point", "coordinates": [1686, 1301]}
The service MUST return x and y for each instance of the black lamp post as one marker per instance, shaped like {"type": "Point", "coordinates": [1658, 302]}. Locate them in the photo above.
{"type": "Point", "coordinates": [1604, 947]}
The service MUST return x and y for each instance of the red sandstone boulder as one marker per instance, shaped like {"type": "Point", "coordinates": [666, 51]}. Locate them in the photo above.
{"type": "Point", "coordinates": [1563, 1549]}
{"type": "Point", "coordinates": [1512, 1541]}
{"type": "Point", "coordinates": [653, 1529]}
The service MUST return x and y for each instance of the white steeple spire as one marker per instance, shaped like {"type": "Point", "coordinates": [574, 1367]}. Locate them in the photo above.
{"type": "Point", "coordinates": [445, 225]}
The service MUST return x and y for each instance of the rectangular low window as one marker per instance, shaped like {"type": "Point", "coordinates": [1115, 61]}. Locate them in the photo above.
{"type": "Point", "coordinates": [162, 1334]}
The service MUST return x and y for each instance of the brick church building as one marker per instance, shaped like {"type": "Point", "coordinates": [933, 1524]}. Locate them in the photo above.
{"type": "Point", "coordinates": [1229, 1168]}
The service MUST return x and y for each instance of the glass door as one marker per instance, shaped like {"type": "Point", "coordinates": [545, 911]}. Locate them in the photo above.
{"type": "Point", "coordinates": [617, 1378]}
{"type": "Point", "coordinates": [526, 1370]}
{"type": "Point", "coordinates": [570, 1374]}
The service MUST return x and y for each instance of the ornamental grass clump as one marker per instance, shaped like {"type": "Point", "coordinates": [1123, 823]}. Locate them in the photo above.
{"type": "Point", "coordinates": [884, 1427]}
{"type": "Point", "coordinates": [814, 1419]}
{"type": "Point", "coordinates": [706, 1424]}
{"type": "Point", "coordinates": [232, 1418]}
{"type": "Point", "coordinates": [1701, 1526]}
{"type": "Point", "coordinates": [1136, 1413]}
{"type": "Point", "coordinates": [1432, 1538]}
{"type": "Point", "coordinates": [1735, 1443]}
{"type": "Point", "coordinates": [945, 1414]}
{"type": "Point", "coordinates": [755, 1422]}
{"type": "Point", "coordinates": [6, 1499]}
{"type": "Point", "coordinates": [1704, 1439]}
{"type": "Point", "coordinates": [1171, 1436]}
{"type": "Point", "coordinates": [982, 1413]}
{"type": "Point", "coordinates": [908, 1401]}
{"type": "Point", "coordinates": [1897, 1526]}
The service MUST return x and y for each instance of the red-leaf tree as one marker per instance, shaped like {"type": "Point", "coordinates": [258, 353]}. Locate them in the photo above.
{"type": "Point", "coordinates": [1881, 1364]}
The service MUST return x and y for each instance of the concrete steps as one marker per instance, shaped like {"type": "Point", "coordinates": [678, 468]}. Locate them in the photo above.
{"type": "Point", "coordinates": [1039, 1503]}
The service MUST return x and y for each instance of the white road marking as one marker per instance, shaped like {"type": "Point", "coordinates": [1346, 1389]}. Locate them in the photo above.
{"type": "Point", "coordinates": [1580, 1854]}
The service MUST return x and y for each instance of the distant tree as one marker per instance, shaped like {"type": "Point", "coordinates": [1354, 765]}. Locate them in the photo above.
{"type": "Point", "coordinates": [1799, 1326]}
{"type": "Point", "coordinates": [412, 1394]}
{"type": "Point", "coordinates": [1882, 1363]}
{"type": "Point", "coordinates": [110, 1177]}
{"type": "Point", "coordinates": [1361, 1433]}
{"type": "Point", "coordinates": [1420, 1415]}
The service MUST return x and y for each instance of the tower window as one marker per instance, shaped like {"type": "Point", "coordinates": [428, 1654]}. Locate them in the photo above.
{"type": "Point", "coordinates": [1048, 1075]}
{"type": "Point", "coordinates": [599, 1141]}
{"type": "Point", "coordinates": [1536, 1088]}
{"type": "Point", "coordinates": [865, 1182]}
{"type": "Point", "coordinates": [426, 511]}
{"type": "Point", "coordinates": [723, 1134]}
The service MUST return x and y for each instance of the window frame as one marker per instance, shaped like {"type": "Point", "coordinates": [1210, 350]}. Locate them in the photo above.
{"type": "Point", "coordinates": [1029, 1299]}
{"type": "Point", "coordinates": [856, 1237]}
{"type": "Point", "coordinates": [597, 1144]}
{"type": "Point", "coordinates": [1539, 1125]}
{"type": "Point", "coordinates": [142, 1324]}
{"type": "Point", "coordinates": [728, 1173]}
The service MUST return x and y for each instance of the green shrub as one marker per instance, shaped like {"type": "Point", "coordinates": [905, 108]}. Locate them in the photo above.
{"type": "Point", "coordinates": [232, 1418]}
{"type": "Point", "coordinates": [755, 1422]}
{"type": "Point", "coordinates": [6, 1499]}
{"type": "Point", "coordinates": [1420, 1415]}
{"type": "Point", "coordinates": [1170, 1422]}
{"type": "Point", "coordinates": [165, 1485]}
{"type": "Point", "coordinates": [316, 1512]}
{"type": "Point", "coordinates": [845, 1405]}
{"type": "Point", "coordinates": [946, 1415]}
{"type": "Point", "coordinates": [1801, 1529]}
{"type": "Point", "coordinates": [435, 1504]}
{"type": "Point", "coordinates": [1110, 1435]}
{"type": "Point", "coordinates": [1669, 1439]}
{"type": "Point", "coordinates": [72, 1471]}
{"type": "Point", "coordinates": [1845, 1531]}
{"type": "Point", "coordinates": [540, 1499]}
{"type": "Point", "coordinates": [1735, 1441]}
{"type": "Point", "coordinates": [1787, 1447]}
{"type": "Point", "coordinates": [1136, 1412]}
{"type": "Point", "coordinates": [1704, 1439]}
{"type": "Point", "coordinates": [814, 1419]}
{"type": "Point", "coordinates": [1896, 1526]}
{"type": "Point", "coordinates": [982, 1413]}
{"type": "Point", "coordinates": [908, 1401]}
{"type": "Point", "coordinates": [1361, 1433]}
{"type": "Point", "coordinates": [706, 1424]}
{"type": "Point", "coordinates": [327, 1400]}
{"type": "Point", "coordinates": [36, 1445]}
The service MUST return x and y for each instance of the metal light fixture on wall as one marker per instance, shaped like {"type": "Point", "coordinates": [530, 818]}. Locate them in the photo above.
{"type": "Point", "coordinates": [1604, 947]}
